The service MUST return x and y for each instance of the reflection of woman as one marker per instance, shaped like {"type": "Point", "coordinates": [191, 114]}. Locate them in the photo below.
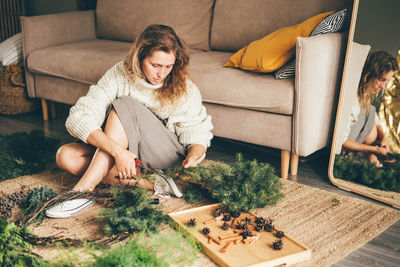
{"type": "Point", "coordinates": [155, 112]}
{"type": "Point", "coordinates": [365, 134]}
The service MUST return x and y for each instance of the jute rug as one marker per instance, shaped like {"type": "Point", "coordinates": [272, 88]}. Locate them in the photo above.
{"type": "Point", "coordinates": [331, 225]}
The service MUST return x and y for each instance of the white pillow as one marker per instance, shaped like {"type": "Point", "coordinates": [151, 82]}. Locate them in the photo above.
{"type": "Point", "coordinates": [11, 50]}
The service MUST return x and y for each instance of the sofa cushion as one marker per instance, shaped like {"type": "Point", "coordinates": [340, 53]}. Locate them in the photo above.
{"type": "Point", "coordinates": [124, 20]}
{"type": "Point", "coordinates": [274, 50]}
{"type": "Point", "coordinates": [233, 28]}
{"type": "Point", "coordinates": [85, 61]}
{"type": "Point", "coordinates": [238, 88]}
{"type": "Point", "coordinates": [332, 23]}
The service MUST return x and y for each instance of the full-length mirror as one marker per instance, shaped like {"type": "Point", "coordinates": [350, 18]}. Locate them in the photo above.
{"type": "Point", "coordinates": [366, 142]}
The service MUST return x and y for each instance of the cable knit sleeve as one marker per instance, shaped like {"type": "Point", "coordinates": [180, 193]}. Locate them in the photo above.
{"type": "Point", "coordinates": [191, 122]}
{"type": "Point", "coordinates": [89, 112]}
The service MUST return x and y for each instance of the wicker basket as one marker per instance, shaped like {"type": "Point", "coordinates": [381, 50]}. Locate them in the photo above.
{"type": "Point", "coordinates": [13, 95]}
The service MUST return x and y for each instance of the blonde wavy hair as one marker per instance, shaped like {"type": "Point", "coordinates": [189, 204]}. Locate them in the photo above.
{"type": "Point", "coordinates": [376, 66]}
{"type": "Point", "coordinates": [154, 38]}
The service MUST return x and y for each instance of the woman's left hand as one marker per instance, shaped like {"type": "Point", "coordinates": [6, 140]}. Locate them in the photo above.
{"type": "Point", "coordinates": [383, 140]}
{"type": "Point", "coordinates": [195, 152]}
{"type": "Point", "coordinates": [190, 161]}
{"type": "Point", "coordinates": [385, 144]}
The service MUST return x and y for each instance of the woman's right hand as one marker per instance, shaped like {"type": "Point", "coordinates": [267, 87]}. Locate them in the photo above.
{"type": "Point", "coordinates": [382, 151]}
{"type": "Point", "coordinates": [125, 163]}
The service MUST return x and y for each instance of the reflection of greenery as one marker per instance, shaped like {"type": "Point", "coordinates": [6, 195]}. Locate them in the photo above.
{"type": "Point", "coordinates": [366, 173]}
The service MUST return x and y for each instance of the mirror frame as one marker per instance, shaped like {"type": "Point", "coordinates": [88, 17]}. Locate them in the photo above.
{"type": "Point", "coordinates": [335, 137]}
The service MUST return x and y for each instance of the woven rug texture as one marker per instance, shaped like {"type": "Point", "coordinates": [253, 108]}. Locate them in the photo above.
{"type": "Point", "coordinates": [329, 224]}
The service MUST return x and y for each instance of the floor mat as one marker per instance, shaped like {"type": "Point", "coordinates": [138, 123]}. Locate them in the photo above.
{"type": "Point", "coordinates": [331, 225]}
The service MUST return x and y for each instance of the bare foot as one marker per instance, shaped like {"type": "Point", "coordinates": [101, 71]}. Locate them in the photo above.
{"type": "Point", "coordinates": [141, 183]}
{"type": "Point", "coordinates": [82, 186]}
{"type": "Point", "coordinates": [374, 159]}
{"type": "Point", "coordinates": [389, 160]}
{"type": "Point", "coordinates": [128, 182]}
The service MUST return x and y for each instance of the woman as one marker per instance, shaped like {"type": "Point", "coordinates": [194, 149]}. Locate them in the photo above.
{"type": "Point", "coordinates": [365, 134]}
{"type": "Point", "coordinates": [155, 113]}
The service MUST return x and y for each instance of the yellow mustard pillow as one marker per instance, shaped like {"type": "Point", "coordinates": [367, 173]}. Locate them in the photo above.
{"type": "Point", "coordinates": [274, 50]}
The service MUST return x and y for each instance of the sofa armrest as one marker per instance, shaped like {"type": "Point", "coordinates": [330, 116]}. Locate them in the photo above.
{"type": "Point", "coordinates": [319, 66]}
{"type": "Point", "coordinates": [55, 29]}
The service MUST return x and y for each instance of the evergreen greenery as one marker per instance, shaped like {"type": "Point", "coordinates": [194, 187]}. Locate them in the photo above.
{"type": "Point", "coordinates": [131, 254]}
{"type": "Point", "coordinates": [161, 249]}
{"type": "Point", "coordinates": [36, 198]}
{"type": "Point", "coordinates": [366, 173]}
{"type": "Point", "coordinates": [25, 153]}
{"type": "Point", "coordinates": [194, 193]}
{"type": "Point", "coordinates": [132, 212]}
{"type": "Point", "coordinates": [242, 186]}
{"type": "Point", "coordinates": [14, 249]}
{"type": "Point", "coordinates": [144, 249]}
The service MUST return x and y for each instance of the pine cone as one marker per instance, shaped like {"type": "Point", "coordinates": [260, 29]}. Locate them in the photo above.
{"type": "Point", "coordinates": [243, 227]}
{"type": "Point", "coordinates": [247, 220]}
{"type": "Point", "coordinates": [277, 245]}
{"type": "Point", "coordinates": [260, 221]}
{"type": "Point", "coordinates": [225, 226]}
{"type": "Point", "coordinates": [235, 214]}
{"type": "Point", "coordinates": [192, 222]}
{"type": "Point", "coordinates": [227, 217]}
{"type": "Point", "coordinates": [217, 212]}
{"type": "Point", "coordinates": [279, 234]}
{"type": "Point", "coordinates": [206, 230]}
{"type": "Point", "coordinates": [259, 227]}
{"type": "Point", "coordinates": [268, 228]}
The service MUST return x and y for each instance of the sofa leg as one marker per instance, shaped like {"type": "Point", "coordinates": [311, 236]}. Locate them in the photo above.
{"type": "Point", "coordinates": [53, 109]}
{"type": "Point", "coordinates": [45, 110]}
{"type": "Point", "coordinates": [294, 164]}
{"type": "Point", "coordinates": [285, 158]}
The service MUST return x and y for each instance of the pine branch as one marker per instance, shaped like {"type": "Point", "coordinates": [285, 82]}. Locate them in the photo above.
{"type": "Point", "coordinates": [238, 186]}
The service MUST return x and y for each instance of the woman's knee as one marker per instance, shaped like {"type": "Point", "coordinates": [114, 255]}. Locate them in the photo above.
{"type": "Point", "coordinates": [135, 105]}
{"type": "Point", "coordinates": [63, 155]}
{"type": "Point", "coordinates": [372, 138]}
{"type": "Point", "coordinates": [71, 157]}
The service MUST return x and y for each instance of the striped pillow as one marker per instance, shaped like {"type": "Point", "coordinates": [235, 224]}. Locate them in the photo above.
{"type": "Point", "coordinates": [330, 24]}
{"type": "Point", "coordinates": [287, 71]}
{"type": "Point", "coordinates": [11, 50]}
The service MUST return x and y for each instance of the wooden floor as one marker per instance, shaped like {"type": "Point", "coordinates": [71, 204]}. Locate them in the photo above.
{"type": "Point", "coordinates": [384, 250]}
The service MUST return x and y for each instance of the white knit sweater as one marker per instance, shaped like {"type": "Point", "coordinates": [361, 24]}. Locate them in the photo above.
{"type": "Point", "coordinates": [187, 119]}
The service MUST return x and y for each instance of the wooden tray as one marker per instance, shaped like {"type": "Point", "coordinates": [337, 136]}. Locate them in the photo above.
{"type": "Point", "coordinates": [259, 253]}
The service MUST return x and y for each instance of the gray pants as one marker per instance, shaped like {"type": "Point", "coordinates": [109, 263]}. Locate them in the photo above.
{"type": "Point", "coordinates": [364, 125]}
{"type": "Point", "coordinates": [155, 145]}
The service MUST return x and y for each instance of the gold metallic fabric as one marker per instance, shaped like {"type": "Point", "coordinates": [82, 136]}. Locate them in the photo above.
{"type": "Point", "coordinates": [389, 111]}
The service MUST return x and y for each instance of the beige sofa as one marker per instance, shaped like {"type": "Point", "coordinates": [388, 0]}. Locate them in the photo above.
{"type": "Point", "coordinates": [65, 53]}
